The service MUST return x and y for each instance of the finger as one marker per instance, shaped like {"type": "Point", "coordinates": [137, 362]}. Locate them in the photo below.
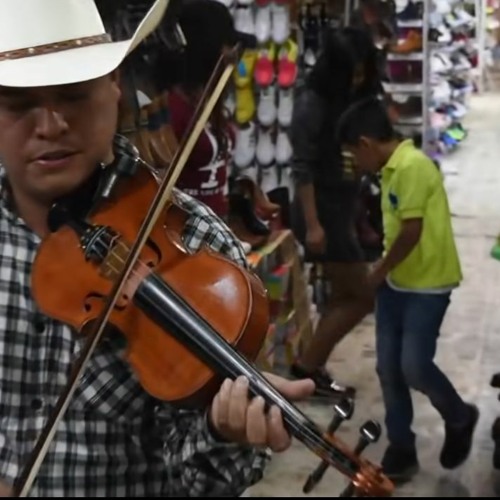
{"type": "Point", "coordinates": [221, 407]}
{"type": "Point", "coordinates": [257, 422]}
{"type": "Point", "coordinates": [291, 389]}
{"type": "Point", "coordinates": [238, 404]}
{"type": "Point", "coordinates": [278, 437]}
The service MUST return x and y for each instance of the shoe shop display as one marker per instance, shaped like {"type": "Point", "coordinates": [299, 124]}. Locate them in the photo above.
{"type": "Point", "coordinates": [262, 95]}
{"type": "Point", "coordinates": [431, 102]}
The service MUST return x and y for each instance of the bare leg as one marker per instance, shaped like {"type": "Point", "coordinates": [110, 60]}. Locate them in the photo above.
{"type": "Point", "coordinates": [351, 302]}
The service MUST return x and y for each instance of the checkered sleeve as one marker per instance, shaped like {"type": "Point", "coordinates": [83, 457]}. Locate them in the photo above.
{"type": "Point", "coordinates": [203, 466]}
{"type": "Point", "coordinates": [9, 464]}
{"type": "Point", "coordinates": [204, 227]}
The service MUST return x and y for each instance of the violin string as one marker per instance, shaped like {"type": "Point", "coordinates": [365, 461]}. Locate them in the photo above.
{"type": "Point", "coordinates": [312, 436]}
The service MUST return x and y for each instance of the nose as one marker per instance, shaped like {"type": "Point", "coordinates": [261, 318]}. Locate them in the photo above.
{"type": "Point", "coordinates": [50, 123]}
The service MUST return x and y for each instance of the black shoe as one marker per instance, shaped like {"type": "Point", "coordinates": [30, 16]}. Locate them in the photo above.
{"type": "Point", "coordinates": [325, 385]}
{"type": "Point", "coordinates": [458, 441]}
{"type": "Point", "coordinates": [400, 464]}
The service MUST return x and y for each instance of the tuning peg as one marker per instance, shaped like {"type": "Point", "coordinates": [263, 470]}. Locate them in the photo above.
{"type": "Point", "coordinates": [370, 433]}
{"type": "Point", "coordinates": [342, 411]}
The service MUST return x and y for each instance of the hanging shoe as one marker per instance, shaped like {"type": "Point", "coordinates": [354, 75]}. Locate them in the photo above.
{"type": "Point", "coordinates": [266, 109]}
{"type": "Point", "coordinates": [283, 148]}
{"type": "Point", "coordinates": [280, 12]}
{"type": "Point", "coordinates": [243, 83]}
{"type": "Point", "coordinates": [263, 21]}
{"type": "Point", "coordinates": [244, 19]}
{"type": "Point", "coordinates": [244, 151]}
{"type": "Point", "coordinates": [264, 72]}
{"type": "Point", "coordinates": [265, 153]}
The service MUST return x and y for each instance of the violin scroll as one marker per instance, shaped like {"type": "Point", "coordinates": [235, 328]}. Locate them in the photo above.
{"type": "Point", "coordinates": [370, 480]}
{"type": "Point", "coordinates": [343, 410]}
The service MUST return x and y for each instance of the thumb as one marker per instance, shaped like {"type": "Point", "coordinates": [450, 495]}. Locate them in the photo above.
{"type": "Point", "coordinates": [291, 389]}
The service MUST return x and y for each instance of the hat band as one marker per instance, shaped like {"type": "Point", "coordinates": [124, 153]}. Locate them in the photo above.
{"type": "Point", "coordinates": [55, 47]}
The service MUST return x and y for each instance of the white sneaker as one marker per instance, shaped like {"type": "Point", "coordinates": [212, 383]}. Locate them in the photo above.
{"type": "Point", "coordinates": [281, 22]}
{"type": "Point", "coordinates": [252, 172]}
{"type": "Point", "coordinates": [244, 150]}
{"type": "Point", "coordinates": [243, 19]}
{"type": "Point", "coordinates": [266, 109]}
{"type": "Point", "coordinates": [283, 148]}
{"type": "Point", "coordinates": [263, 23]}
{"type": "Point", "coordinates": [269, 178]}
{"type": "Point", "coordinates": [285, 106]}
{"type": "Point", "coordinates": [265, 147]}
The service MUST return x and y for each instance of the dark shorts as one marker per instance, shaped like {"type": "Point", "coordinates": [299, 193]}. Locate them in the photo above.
{"type": "Point", "coordinates": [337, 215]}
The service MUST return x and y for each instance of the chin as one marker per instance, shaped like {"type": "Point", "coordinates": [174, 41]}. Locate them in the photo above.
{"type": "Point", "coordinates": [57, 186]}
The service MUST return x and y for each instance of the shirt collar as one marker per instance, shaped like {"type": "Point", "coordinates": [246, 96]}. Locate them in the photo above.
{"type": "Point", "coordinates": [393, 161]}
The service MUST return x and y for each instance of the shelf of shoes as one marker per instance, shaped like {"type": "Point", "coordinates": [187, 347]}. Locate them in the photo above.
{"type": "Point", "coordinates": [261, 92]}
{"type": "Point", "coordinates": [407, 63]}
{"type": "Point", "coordinates": [453, 72]}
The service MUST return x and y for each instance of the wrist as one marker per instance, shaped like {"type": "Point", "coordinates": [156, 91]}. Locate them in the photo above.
{"type": "Point", "coordinates": [383, 268]}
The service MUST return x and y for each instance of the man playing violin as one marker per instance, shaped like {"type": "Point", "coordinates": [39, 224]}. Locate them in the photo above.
{"type": "Point", "coordinates": [59, 94]}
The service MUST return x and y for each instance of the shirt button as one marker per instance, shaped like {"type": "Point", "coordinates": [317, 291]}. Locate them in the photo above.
{"type": "Point", "coordinates": [39, 325]}
{"type": "Point", "coordinates": [36, 404]}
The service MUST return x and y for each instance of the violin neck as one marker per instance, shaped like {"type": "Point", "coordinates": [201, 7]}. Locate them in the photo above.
{"type": "Point", "coordinates": [163, 306]}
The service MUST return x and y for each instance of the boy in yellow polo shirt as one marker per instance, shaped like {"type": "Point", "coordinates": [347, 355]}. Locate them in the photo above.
{"type": "Point", "coordinates": [414, 281]}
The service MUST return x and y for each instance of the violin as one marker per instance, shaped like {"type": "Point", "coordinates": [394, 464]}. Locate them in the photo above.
{"type": "Point", "coordinates": [124, 264]}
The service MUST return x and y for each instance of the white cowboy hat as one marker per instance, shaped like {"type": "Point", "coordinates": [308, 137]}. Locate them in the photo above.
{"type": "Point", "coordinates": [56, 42]}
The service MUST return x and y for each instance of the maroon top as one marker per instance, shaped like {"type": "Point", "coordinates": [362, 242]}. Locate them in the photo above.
{"type": "Point", "coordinates": [206, 172]}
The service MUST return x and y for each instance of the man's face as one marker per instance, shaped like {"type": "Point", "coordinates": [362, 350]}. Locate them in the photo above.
{"type": "Point", "coordinates": [365, 155]}
{"type": "Point", "coordinates": [52, 138]}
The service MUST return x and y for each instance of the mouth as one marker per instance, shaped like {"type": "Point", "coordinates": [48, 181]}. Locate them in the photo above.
{"type": "Point", "coordinates": [54, 159]}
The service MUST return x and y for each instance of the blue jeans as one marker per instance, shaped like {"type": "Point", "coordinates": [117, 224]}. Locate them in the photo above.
{"type": "Point", "coordinates": [408, 326]}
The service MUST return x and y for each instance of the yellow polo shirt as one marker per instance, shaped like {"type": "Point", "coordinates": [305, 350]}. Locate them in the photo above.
{"type": "Point", "coordinates": [412, 187]}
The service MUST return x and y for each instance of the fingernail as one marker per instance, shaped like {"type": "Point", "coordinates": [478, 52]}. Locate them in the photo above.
{"type": "Point", "coordinates": [260, 400]}
{"type": "Point", "coordinates": [227, 384]}
{"type": "Point", "coordinates": [242, 381]}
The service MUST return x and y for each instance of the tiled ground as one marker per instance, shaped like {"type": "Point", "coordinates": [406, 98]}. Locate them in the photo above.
{"type": "Point", "coordinates": [469, 350]}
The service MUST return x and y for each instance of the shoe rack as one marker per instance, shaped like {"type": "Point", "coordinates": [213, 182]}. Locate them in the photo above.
{"type": "Point", "coordinates": [407, 82]}
{"type": "Point", "coordinates": [261, 93]}
{"type": "Point", "coordinates": [454, 52]}
{"type": "Point", "coordinates": [288, 34]}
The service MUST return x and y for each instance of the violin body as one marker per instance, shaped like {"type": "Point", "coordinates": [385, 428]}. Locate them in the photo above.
{"type": "Point", "coordinates": [72, 289]}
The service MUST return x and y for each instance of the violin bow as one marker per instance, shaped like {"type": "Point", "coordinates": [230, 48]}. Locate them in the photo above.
{"type": "Point", "coordinates": [200, 118]}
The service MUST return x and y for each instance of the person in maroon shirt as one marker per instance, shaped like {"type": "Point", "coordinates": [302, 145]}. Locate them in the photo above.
{"type": "Point", "coordinates": [208, 28]}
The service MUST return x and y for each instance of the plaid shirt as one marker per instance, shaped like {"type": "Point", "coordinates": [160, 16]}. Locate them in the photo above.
{"type": "Point", "coordinates": [115, 439]}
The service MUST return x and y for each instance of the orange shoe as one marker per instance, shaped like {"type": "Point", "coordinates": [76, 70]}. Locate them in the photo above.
{"type": "Point", "coordinates": [412, 43]}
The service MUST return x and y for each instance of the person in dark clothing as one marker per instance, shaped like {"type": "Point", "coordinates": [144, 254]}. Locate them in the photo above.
{"type": "Point", "coordinates": [324, 208]}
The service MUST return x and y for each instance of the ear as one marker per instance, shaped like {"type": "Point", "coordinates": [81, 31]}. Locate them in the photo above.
{"type": "Point", "coordinates": [365, 142]}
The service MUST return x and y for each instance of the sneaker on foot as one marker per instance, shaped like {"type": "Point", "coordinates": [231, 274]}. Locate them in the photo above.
{"type": "Point", "coordinates": [326, 386]}
{"type": "Point", "coordinates": [458, 441]}
{"type": "Point", "coordinates": [400, 464]}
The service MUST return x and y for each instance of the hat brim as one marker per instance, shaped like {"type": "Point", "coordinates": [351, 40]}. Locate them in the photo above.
{"type": "Point", "coordinates": [79, 64]}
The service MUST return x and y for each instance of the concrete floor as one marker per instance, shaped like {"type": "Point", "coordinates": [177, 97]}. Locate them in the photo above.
{"type": "Point", "coordinates": [469, 350]}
